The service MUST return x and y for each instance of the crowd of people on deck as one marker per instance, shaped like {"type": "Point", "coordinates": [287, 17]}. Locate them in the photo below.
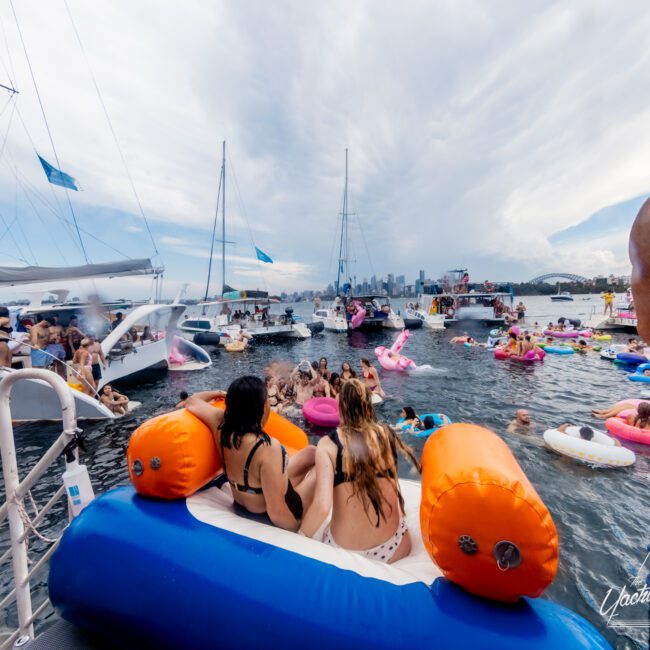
{"type": "Point", "coordinates": [72, 350]}
{"type": "Point", "coordinates": [289, 388]}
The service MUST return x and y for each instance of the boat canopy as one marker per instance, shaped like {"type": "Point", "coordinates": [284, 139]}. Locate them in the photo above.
{"type": "Point", "coordinates": [10, 275]}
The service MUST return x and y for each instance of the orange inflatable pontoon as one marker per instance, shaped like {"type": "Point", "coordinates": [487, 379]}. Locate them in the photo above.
{"type": "Point", "coordinates": [172, 455]}
{"type": "Point", "coordinates": [482, 521]}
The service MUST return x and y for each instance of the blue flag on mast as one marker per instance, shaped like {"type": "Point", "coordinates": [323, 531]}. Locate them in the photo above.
{"type": "Point", "coordinates": [57, 177]}
{"type": "Point", "coordinates": [262, 257]}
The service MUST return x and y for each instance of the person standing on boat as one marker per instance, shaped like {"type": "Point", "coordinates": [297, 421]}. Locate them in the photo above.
{"type": "Point", "coordinates": [371, 377]}
{"type": "Point", "coordinates": [521, 312]}
{"type": "Point", "coordinates": [73, 336]}
{"type": "Point", "coordinates": [608, 297]}
{"type": "Point", "coordinates": [5, 336]}
{"type": "Point", "coordinates": [98, 358]}
{"type": "Point", "coordinates": [40, 338]}
{"type": "Point", "coordinates": [119, 317]}
{"type": "Point", "coordinates": [82, 364]}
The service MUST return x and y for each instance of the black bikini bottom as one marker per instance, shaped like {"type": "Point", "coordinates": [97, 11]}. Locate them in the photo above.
{"type": "Point", "coordinates": [291, 498]}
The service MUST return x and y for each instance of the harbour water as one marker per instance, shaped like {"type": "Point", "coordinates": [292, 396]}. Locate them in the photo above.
{"type": "Point", "coordinates": [601, 515]}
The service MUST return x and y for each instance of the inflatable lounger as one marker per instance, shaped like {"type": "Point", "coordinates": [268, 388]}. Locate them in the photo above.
{"type": "Point", "coordinates": [191, 573]}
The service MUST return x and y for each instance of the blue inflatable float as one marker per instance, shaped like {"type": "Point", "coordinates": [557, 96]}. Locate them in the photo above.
{"type": "Point", "coordinates": [558, 349]}
{"type": "Point", "coordinates": [439, 420]}
{"type": "Point", "coordinates": [638, 375]}
{"type": "Point", "coordinates": [193, 574]}
{"type": "Point", "coordinates": [630, 359]}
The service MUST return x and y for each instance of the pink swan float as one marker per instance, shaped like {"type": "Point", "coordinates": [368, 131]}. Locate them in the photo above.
{"type": "Point", "coordinates": [391, 359]}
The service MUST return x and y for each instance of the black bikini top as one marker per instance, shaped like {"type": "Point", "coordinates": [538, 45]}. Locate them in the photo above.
{"type": "Point", "coordinates": [339, 475]}
{"type": "Point", "coordinates": [246, 487]}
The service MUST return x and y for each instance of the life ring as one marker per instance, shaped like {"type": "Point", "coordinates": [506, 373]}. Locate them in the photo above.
{"type": "Point", "coordinates": [600, 450]}
{"type": "Point", "coordinates": [450, 311]}
{"type": "Point", "coordinates": [322, 411]}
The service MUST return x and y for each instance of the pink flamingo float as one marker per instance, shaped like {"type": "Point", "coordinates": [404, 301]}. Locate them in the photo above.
{"type": "Point", "coordinates": [391, 359]}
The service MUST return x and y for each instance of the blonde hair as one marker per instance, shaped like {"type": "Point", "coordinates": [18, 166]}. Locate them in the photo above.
{"type": "Point", "coordinates": [369, 448]}
{"type": "Point", "coordinates": [84, 342]}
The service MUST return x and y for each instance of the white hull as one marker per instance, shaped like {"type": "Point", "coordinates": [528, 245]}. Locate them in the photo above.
{"type": "Point", "coordinates": [332, 321]}
{"type": "Point", "coordinates": [33, 399]}
{"type": "Point", "coordinates": [430, 321]}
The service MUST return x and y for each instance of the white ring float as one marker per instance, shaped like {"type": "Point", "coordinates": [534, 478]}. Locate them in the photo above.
{"type": "Point", "coordinates": [600, 450]}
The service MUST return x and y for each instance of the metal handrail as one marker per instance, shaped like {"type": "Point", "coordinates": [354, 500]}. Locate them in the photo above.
{"type": "Point", "coordinates": [15, 489]}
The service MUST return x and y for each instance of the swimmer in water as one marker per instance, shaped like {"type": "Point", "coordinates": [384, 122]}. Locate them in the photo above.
{"type": "Point", "coordinates": [522, 424]}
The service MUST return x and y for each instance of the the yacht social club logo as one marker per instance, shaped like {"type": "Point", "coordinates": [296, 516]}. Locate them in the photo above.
{"type": "Point", "coordinates": [628, 605]}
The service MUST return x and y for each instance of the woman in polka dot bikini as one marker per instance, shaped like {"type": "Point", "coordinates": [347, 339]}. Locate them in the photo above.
{"type": "Point", "coordinates": [356, 479]}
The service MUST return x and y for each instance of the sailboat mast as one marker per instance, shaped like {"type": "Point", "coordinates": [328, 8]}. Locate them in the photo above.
{"type": "Point", "coordinates": [223, 222]}
{"type": "Point", "coordinates": [343, 245]}
{"type": "Point", "coordinates": [345, 217]}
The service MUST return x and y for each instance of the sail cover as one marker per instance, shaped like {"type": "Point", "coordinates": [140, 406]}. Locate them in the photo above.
{"type": "Point", "coordinates": [10, 275]}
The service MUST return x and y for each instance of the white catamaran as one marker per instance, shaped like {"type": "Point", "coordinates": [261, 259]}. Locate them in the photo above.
{"type": "Point", "coordinates": [160, 350]}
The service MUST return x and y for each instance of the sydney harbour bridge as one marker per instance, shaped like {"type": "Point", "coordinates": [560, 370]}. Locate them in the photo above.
{"type": "Point", "coordinates": [571, 277]}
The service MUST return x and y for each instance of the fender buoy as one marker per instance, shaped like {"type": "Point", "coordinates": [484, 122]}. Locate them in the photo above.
{"type": "Point", "coordinates": [322, 411]}
{"type": "Point", "coordinates": [482, 521]}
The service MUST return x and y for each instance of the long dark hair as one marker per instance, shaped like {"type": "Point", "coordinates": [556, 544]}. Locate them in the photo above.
{"type": "Point", "coordinates": [409, 412]}
{"type": "Point", "coordinates": [245, 402]}
{"type": "Point", "coordinates": [642, 415]}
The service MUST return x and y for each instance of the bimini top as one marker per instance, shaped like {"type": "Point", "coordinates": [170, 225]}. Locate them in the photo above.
{"type": "Point", "coordinates": [10, 275]}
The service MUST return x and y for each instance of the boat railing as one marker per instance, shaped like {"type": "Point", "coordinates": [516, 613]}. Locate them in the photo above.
{"type": "Point", "coordinates": [17, 491]}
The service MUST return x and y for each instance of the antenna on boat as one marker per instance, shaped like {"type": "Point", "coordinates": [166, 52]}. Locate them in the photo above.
{"type": "Point", "coordinates": [343, 246]}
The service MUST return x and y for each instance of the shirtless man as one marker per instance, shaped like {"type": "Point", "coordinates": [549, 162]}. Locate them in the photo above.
{"type": "Point", "coordinates": [113, 400]}
{"type": "Point", "coordinates": [522, 423]}
{"type": "Point", "coordinates": [39, 338]}
{"type": "Point", "coordinates": [303, 376]}
{"type": "Point", "coordinates": [73, 336]}
{"type": "Point", "coordinates": [56, 327]}
{"type": "Point", "coordinates": [320, 385]}
{"type": "Point", "coordinates": [98, 357]}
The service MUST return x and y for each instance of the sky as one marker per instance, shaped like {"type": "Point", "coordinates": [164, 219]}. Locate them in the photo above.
{"type": "Point", "coordinates": [505, 137]}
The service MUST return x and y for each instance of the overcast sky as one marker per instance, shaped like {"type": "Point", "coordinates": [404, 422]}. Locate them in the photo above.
{"type": "Point", "coordinates": [478, 133]}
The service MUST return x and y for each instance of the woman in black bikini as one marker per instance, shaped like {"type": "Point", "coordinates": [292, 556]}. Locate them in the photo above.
{"type": "Point", "coordinates": [5, 337]}
{"type": "Point", "coordinates": [267, 485]}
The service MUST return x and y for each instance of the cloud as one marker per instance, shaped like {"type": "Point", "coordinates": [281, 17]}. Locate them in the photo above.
{"type": "Point", "coordinates": [475, 135]}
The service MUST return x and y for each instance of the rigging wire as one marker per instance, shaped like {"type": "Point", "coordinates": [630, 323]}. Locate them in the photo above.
{"type": "Point", "coordinates": [20, 226]}
{"type": "Point", "coordinates": [110, 126]}
{"type": "Point", "coordinates": [250, 232]}
{"type": "Point", "coordinates": [12, 76]}
{"type": "Point", "coordinates": [214, 231]}
{"type": "Point", "coordinates": [47, 126]}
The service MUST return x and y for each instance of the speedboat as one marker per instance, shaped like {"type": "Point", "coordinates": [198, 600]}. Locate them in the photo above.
{"type": "Point", "coordinates": [332, 317]}
{"type": "Point", "coordinates": [222, 320]}
{"type": "Point", "coordinates": [562, 296]}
